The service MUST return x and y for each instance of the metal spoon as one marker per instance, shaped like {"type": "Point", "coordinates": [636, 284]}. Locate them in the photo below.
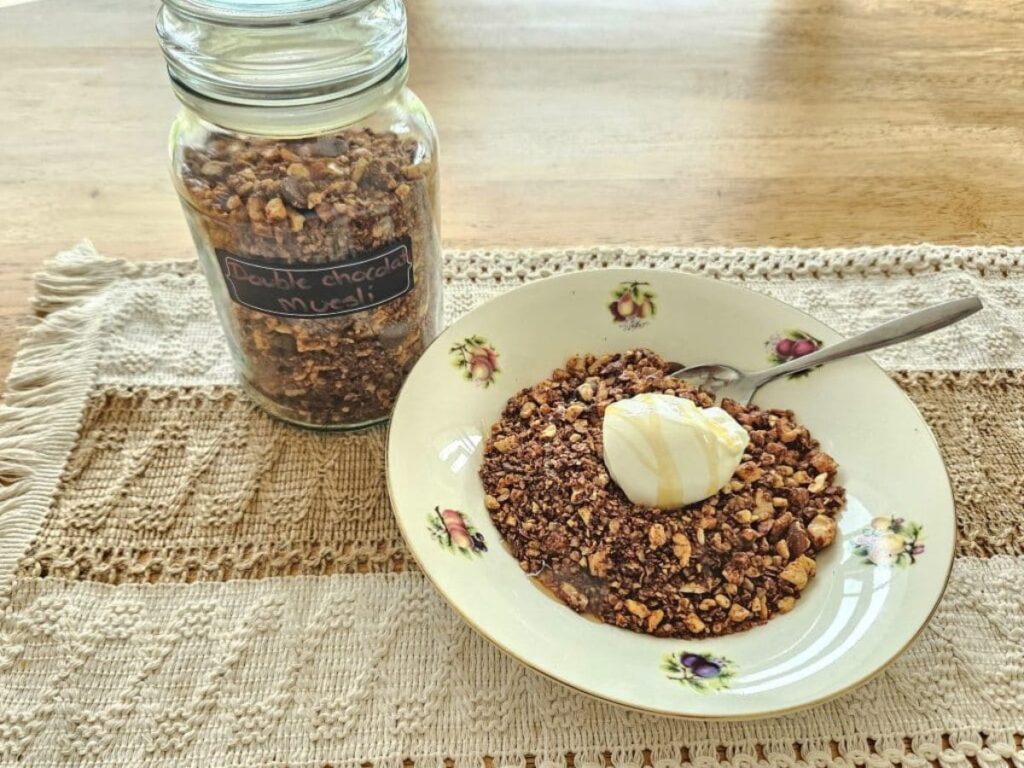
{"type": "Point", "coordinates": [726, 382]}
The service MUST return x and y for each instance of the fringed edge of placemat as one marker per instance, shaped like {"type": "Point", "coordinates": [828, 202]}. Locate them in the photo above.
{"type": "Point", "coordinates": [45, 397]}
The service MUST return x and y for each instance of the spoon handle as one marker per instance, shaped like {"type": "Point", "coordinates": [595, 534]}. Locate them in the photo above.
{"type": "Point", "coordinates": [902, 329]}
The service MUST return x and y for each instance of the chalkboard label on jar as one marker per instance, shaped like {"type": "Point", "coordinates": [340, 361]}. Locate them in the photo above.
{"type": "Point", "coordinates": [323, 290]}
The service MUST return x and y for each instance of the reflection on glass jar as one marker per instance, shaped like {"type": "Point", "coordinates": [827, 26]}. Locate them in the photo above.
{"type": "Point", "coordinates": [308, 175]}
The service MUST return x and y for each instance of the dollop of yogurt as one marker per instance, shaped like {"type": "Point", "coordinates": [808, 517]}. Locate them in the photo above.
{"type": "Point", "coordinates": [666, 451]}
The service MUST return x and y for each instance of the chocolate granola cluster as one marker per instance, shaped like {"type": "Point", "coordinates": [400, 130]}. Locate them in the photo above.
{"type": "Point", "coordinates": [322, 200]}
{"type": "Point", "coordinates": [712, 568]}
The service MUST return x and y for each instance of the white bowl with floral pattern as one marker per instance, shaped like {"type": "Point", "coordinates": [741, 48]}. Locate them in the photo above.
{"type": "Point", "coordinates": [875, 589]}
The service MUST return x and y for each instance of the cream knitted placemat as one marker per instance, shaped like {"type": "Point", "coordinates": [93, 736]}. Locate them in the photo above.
{"type": "Point", "coordinates": [184, 581]}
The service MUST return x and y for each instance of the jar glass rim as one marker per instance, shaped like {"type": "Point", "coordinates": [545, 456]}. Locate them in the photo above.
{"type": "Point", "coordinates": [265, 12]}
{"type": "Point", "coordinates": [338, 48]}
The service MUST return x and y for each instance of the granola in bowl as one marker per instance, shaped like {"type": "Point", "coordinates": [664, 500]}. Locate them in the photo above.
{"type": "Point", "coordinates": [715, 567]}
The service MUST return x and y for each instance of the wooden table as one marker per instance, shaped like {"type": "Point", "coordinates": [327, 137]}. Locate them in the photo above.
{"type": "Point", "coordinates": [569, 122]}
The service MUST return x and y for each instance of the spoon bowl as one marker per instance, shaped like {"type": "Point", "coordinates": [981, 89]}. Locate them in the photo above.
{"type": "Point", "coordinates": [723, 381]}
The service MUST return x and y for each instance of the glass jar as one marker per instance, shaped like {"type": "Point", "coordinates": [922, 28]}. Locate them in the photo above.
{"type": "Point", "coordinates": [308, 174]}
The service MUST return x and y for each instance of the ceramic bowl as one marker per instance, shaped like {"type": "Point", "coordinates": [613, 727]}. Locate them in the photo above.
{"type": "Point", "coordinates": [870, 597]}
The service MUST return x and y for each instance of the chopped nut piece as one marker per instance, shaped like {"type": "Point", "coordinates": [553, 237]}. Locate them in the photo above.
{"type": "Point", "coordinates": [795, 575]}
{"type": "Point", "coordinates": [780, 526]}
{"type": "Point", "coordinates": [573, 411]}
{"type": "Point", "coordinates": [797, 540]}
{"type": "Point", "coordinates": [214, 169]}
{"type": "Point", "coordinates": [491, 503]}
{"type": "Point", "coordinates": [573, 596]}
{"type": "Point", "coordinates": [694, 624]}
{"type": "Point", "coordinates": [656, 535]}
{"type": "Point", "coordinates": [819, 483]}
{"type": "Point", "coordinates": [584, 513]}
{"type": "Point", "coordinates": [359, 168]}
{"type": "Point", "coordinates": [549, 431]}
{"type": "Point", "coordinates": [787, 432]}
{"type": "Point", "coordinates": [763, 505]}
{"type": "Point", "coordinates": [749, 472]}
{"type": "Point", "coordinates": [655, 619]}
{"type": "Point", "coordinates": [682, 550]}
{"type": "Point", "coordinates": [275, 209]}
{"type": "Point", "coordinates": [743, 516]}
{"type": "Point", "coordinates": [598, 563]}
{"type": "Point", "coordinates": [786, 604]}
{"type": "Point", "coordinates": [505, 444]}
{"type": "Point", "coordinates": [798, 572]}
{"type": "Point", "coordinates": [637, 609]}
{"type": "Point", "coordinates": [822, 462]}
{"type": "Point", "coordinates": [822, 531]}
{"type": "Point", "coordinates": [807, 564]}
{"type": "Point", "coordinates": [738, 613]}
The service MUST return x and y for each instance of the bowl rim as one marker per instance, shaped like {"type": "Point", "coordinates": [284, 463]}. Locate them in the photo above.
{"type": "Point", "coordinates": [691, 716]}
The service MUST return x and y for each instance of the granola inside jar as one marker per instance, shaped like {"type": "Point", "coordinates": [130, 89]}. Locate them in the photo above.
{"type": "Point", "coordinates": [307, 172]}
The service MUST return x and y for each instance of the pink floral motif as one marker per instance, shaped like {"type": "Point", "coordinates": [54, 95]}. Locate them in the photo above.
{"type": "Point", "coordinates": [477, 359]}
{"type": "Point", "coordinates": [454, 532]}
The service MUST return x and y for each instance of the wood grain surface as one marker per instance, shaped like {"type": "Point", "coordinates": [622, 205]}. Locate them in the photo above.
{"type": "Point", "coordinates": [569, 122]}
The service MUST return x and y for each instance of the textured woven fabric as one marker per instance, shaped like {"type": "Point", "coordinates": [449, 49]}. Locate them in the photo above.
{"type": "Point", "coordinates": [341, 669]}
{"type": "Point", "coordinates": [185, 581]}
{"type": "Point", "coordinates": [248, 499]}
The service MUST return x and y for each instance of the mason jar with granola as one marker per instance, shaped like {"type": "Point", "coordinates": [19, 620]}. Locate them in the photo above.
{"type": "Point", "coordinates": [308, 175]}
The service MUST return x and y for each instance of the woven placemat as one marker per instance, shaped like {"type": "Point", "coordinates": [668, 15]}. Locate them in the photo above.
{"type": "Point", "coordinates": [184, 581]}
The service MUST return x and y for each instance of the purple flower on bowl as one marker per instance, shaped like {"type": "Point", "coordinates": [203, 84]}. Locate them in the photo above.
{"type": "Point", "coordinates": [701, 672]}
